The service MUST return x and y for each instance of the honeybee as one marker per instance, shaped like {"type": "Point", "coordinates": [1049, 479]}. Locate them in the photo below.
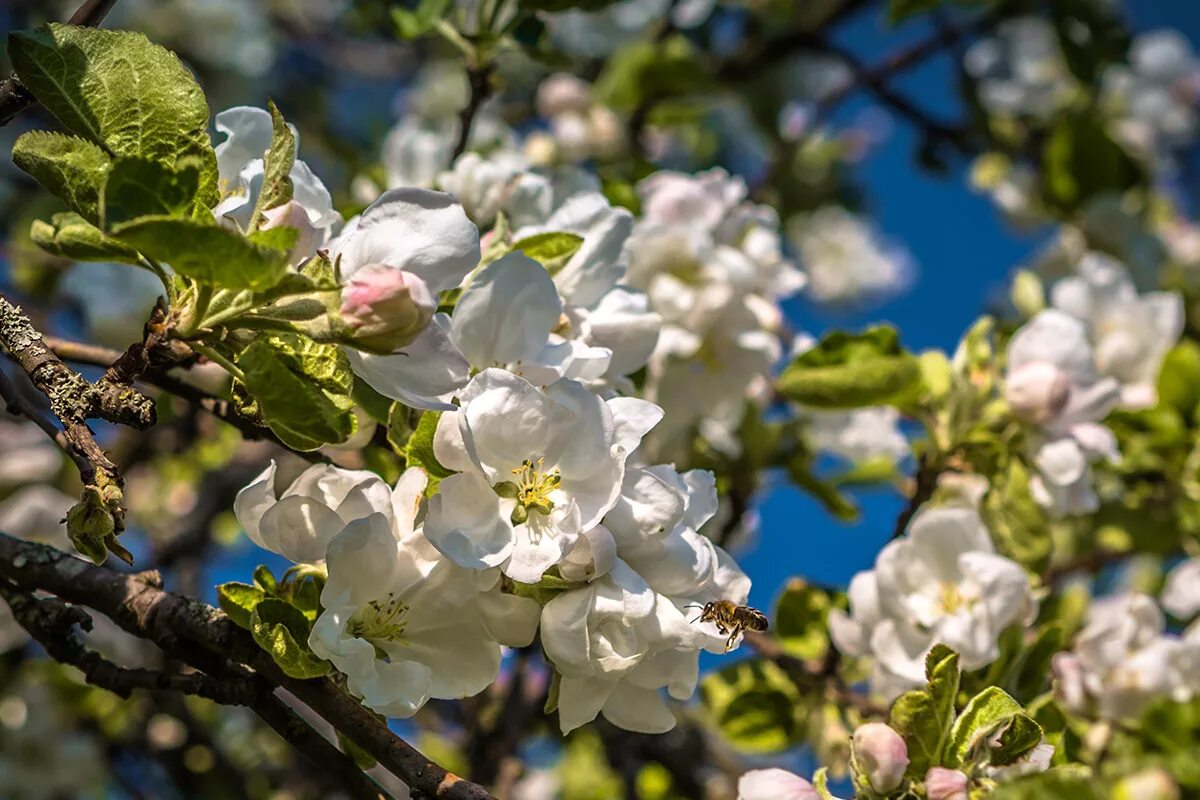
{"type": "Point", "coordinates": [730, 618]}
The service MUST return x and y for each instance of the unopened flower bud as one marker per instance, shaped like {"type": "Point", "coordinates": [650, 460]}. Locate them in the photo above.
{"type": "Point", "coordinates": [880, 755]}
{"type": "Point", "coordinates": [386, 308]}
{"type": "Point", "coordinates": [563, 92]}
{"type": "Point", "coordinates": [1037, 392]}
{"type": "Point", "coordinates": [945, 784]}
{"type": "Point", "coordinates": [1154, 783]}
{"type": "Point", "coordinates": [292, 215]}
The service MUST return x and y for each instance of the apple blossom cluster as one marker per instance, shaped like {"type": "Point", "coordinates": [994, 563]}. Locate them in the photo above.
{"type": "Point", "coordinates": [1099, 346]}
{"type": "Point", "coordinates": [941, 583]}
{"type": "Point", "coordinates": [1021, 71]}
{"type": "Point", "coordinates": [1156, 97]}
{"type": "Point", "coordinates": [423, 583]}
{"type": "Point", "coordinates": [1123, 660]}
{"type": "Point", "coordinates": [846, 261]}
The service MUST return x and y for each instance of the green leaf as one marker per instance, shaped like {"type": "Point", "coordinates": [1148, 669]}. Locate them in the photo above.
{"type": "Point", "coordinates": [302, 389]}
{"type": "Point", "coordinates": [979, 719]}
{"type": "Point", "coordinates": [1179, 378]}
{"type": "Point", "coordinates": [265, 579]}
{"type": "Point", "coordinates": [800, 619]}
{"type": "Point", "coordinates": [70, 168]}
{"type": "Point", "coordinates": [650, 69]}
{"type": "Point", "coordinates": [1060, 783]}
{"type": "Point", "coordinates": [239, 600]}
{"type": "Point", "coordinates": [277, 186]}
{"type": "Point", "coordinates": [552, 250]}
{"type": "Point", "coordinates": [755, 706]}
{"type": "Point", "coordinates": [282, 630]}
{"type": "Point", "coordinates": [848, 370]}
{"type": "Point", "coordinates": [1017, 522]}
{"type": "Point", "coordinates": [205, 251]}
{"type": "Point", "coordinates": [362, 759]}
{"type": "Point", "coordinates": [820, 783]}
{"type": "Point", "coordinates": [924, 716]}
{"type": "Point", "coordinates": [137, 187]}
{"type": "Point", "coordinates": [419, 452]}
{"type": "Point", "coordinates": [71, 236]}
{"type": "Point", "coordinates": [414, 24]}
{"type": "Point", "coordinates": [1018, 737]}
{"type": "Point", "coordinates": [1080, 161]}
{"type": "Point", "coordinates": [117, 89]}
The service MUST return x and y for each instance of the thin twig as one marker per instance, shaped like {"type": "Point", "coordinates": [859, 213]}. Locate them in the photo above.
{"type": "Point", "coordinates": [479, 79]}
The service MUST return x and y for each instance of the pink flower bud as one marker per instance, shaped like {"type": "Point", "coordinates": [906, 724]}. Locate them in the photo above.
{"type": "Point", "coordinates": [945, 784]}
{"type": "Point", "coordinates": [292, 215]}
{"type": "Point", "coordinates": [563, 92]}
{"type": "Point", "coordinates": [880, 755]}
{"type": "Point", "coordinates": [1037, 392]}
{"type": "Point", "coordinates": [386, 308]}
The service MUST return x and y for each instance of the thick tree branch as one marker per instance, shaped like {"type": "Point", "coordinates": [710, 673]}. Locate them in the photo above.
{"type": "Point", "coordinates": [192, 631]}
{"type": "Point", "coordinates": [51, 622]}
{"type": "Point", "coordinates": [14, 97]}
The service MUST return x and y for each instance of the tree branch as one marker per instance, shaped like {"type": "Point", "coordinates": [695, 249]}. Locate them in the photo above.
{"type": "Point", "coordinates": [479, 78]}
{"type": "Point", "coordinates": [192, 632]}
{"type": "Point", "coordinates": [51, 622]}
{"type": "Point", "coordinates": [14, 97]}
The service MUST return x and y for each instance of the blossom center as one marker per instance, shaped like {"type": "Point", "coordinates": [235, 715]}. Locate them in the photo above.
{"type": "Point", "coordinates": [952, 598]}
{"type": "Point", "coordinates": [531, 487]}
{"type": "Point", "coordinates": [380, 620]}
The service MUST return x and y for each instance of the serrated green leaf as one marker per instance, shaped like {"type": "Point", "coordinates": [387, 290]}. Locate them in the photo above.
{"type": "Point", "coordinates": [301, 388]}
{"type": "Point", "coordinates": [820, 783]}
{"type": "Point", "coordinates": [851, 371]}
{"type": "Point", "coordinates": [800, 619]}
{"type": "Point", "coordinates": [1017, 738]}
{"type": "Point", "coordinates": [265, 579]}
{"type": "Point", "coordinates": [70, 168]}
{"type": "Point", "coordinates": [239, 600]}
{"type": "Point", "coordinates": [978, 719]}
{"type": "Point", "coordinates": [924, 716]}
{"type": "Point", "coordinates": [754, 705]}
{"type": "Point", "coordinates": [71, 236]}
{"type": "Point", "coordinates": [205, 251]}
{"type": "Point", "coordinates": [282, 630]}
{"type": "Point", "coordinates": [277, 186]}
{"type": "Point", "coordinates": [1060, 783]}
{"type": "Point", "coordinates": [137, 187]}
{"type": "Point", "coordinates": [419, 451]}
{"type": "Point", "coordinates": [119, 90]}
{"type": "Point", "coordinates": [552, 250]}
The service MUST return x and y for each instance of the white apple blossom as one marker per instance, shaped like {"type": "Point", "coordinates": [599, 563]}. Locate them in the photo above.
{"type": "Point", "coordinates": [1021, 71]}
{"type": "Point", "coordinates": [426, 235]}
{"type": "Point", "coordinates": [1053, 383]}
{"type": "Point", "coordinates": [535, 470]}
{"type": "Point", "coordinates": [240, 166]}
{"type": "Point", "coordinates": [1122, 660]}
{"type": "Point", "coordinates": [846, 261]}
{"type": "Point", "coordinates": [1131, 332]}
{"type": "Point", "coordinates": [1156, 97]}
{"type": "Point", "coordinates": [300, 523]}
{"type": "Point", "coordinates": [616, 643]}
{"type": "Point", "coordinates": [1181, 593]}
{"type": "Point", "coordinates": [774, 784]}
{"type": "Point", "coordinates": [598, 33]}
{"type": "Point", "coordinates": [941, 583]}
{"type": "Point", "coordinates": [404, 624]}
{"type": "Point", "coordinates": [858, 435]}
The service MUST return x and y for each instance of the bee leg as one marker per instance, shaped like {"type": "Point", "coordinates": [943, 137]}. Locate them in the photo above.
{"type": "Point", "coordinates": [721, 628]}
{"type": "Point", "coordinates": [733, 634]}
